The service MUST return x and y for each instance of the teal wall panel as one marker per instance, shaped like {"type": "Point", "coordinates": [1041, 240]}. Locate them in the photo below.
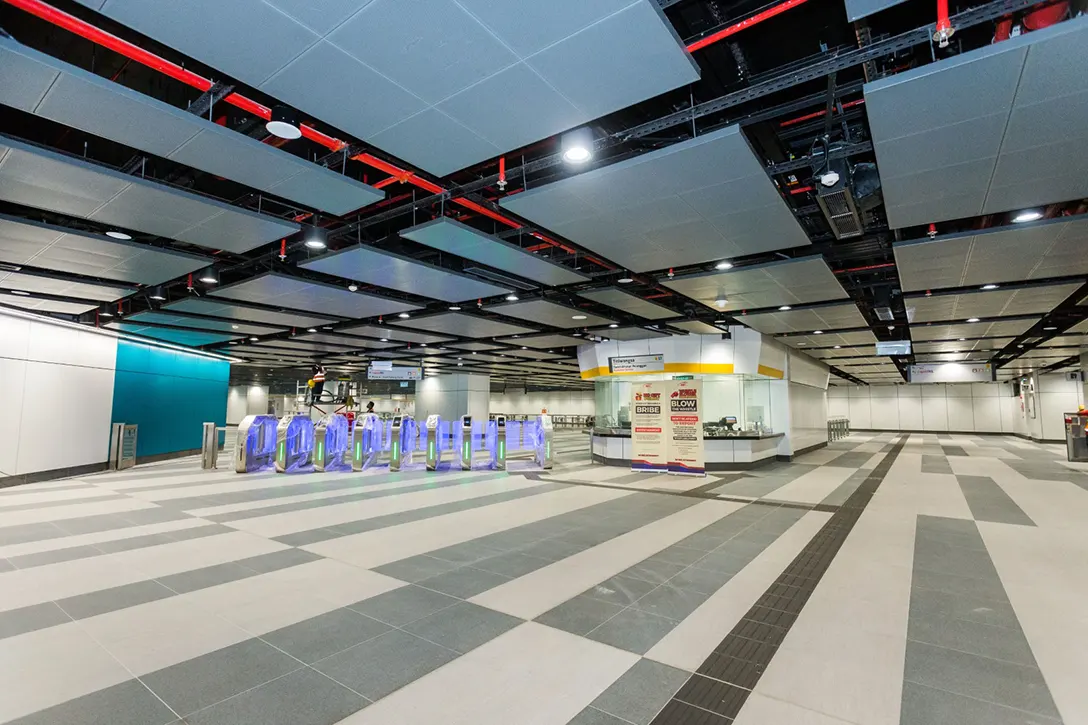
{"type": "Point", "coordinates": [169, 394]}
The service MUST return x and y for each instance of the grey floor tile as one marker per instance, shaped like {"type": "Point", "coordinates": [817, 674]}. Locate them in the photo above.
{"type": "Point", "coordinates": [514, 564]}
{"type": "Point", "coordinates": [136, 542]}
{"type": "Point", "coordinates": [41, 558]}
{"type": "Point", "coordinates": [303, 697]}
{"type": "Point", "coordinates": [277, 560]}
{"type": "Point", "coordinates": [703, 541]}
{"type": "Point", "coordinates": [987, 588]}
{"type": "Point", "coordinates": [671, 602]}
{"type": "Point", "coordinates": [326, 634]}
{"type": "Point", "coordinates": [6, 565]}
{"type": "Point", "coordinates": [387, 663]}
{"type": "Point", "coordinates": [208, 576]}
{"type": "Point", "coordinates": [464, 582]}
{"type": "Point", "coordinates": [403, 606]}
{"type": "Point", "coordinates": [928, 706]}
{"type": "Point", "coordinates": [970, 607]}
{"type": "Point", "coordinates": [463, 626]}
{"type": "Point", "coordinates": [982, 678]}
{"type": "Point", "coordinates": [28, 619]}
{"type": "Point", "coordinates": [620, 590]}
{"type": "Point", "coordinates": [465, 553]}
{"type": "Point", "coordinates": [677, 554]}
{"type": "Point", "coordinates": [82, 606]}
{"type": "Point", "coordinates": [580, 615]}
{"type": "Point", "coordinates": [724, 562]}
{"type": "Point", "coordinates": [633, 630]}
{"type": "Point", "coordinates": [202, 681]}
{"type": "Point", "coordinates": [593, 716]}
{"type": "Point", "coordinates": [553, 549]}
{"type": "Point", "coordinates": [706, 581]}
{"type": "Point", "coordinates": [946, 523]}
{"type": "Point", "coordinates": [655, 571]}
{"type": "Point", "coordinates": [301, 538]}
{"type": "Point", "coordinates": [128, 703]}
{"type": "Point", "coordinates": [416, 568]}
{"type": "Point", "coordinates": [81, 525]}
{"type": "Point", "coordinates": [641, 692]}
{"type": "Point", "coordinates": [999, 643]}
{"type": "Point", "coordinates": [989, 502]}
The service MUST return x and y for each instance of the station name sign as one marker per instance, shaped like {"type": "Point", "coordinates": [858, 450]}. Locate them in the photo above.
{"type": "Point", "coordinates": [637, 364]}
{"type": "Point", "coordinates": [394, 373]}
{"type": "Point", "coordinates": [952, 373]}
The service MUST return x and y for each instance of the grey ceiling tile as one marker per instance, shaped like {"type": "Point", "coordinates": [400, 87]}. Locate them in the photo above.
{"type": "Point", "coordinates": [543, 342]}
{"type": "Point", "coordinates": [176, 320]}
{"type": "Point", "coordinates": [549, 313]}
{"type": "Point", "coordinates": [1047, 122]}
{"type": "Point", "coordinates": [857, 9]}
{"type": "Point", "coordinates": [319, 17]}
{"type": "Point", "coordinates": [192, 338]}
{"type": "Point", "coordinates": [242, 313]}
{"type": "Point", "coordinates": [23, 79]}
{"type": "Point", "coordinates": [63, 288]}
{"type": "Point", "coordinates": [238, 231]}
{"type": "Point", "coordinates": [530, 27]}
{"type": "Point", "coordinates": [142, 207]}
{"type": "Point", "coordinates": [1055, 63]}
{"type": "Point", "coordinates": [433, 140]}
{"type": "Point", "coordinates": [45, 180]}
{"type": "Point", "coordinates": [300, 294]}
{"type": "Point", "coordinates": [630, 303]}
{"type": "Point", "coordinates": [463, 325]}
{"type": "Point", "coordinates": [38, 305]}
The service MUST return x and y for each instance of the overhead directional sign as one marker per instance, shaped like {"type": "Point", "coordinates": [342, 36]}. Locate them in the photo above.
{"type": "Point", "coordinates": [394, 373]}
{"type": "Point", "coordinates": [636, 364]}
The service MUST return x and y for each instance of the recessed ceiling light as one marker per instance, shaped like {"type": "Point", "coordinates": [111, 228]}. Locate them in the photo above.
{"type": "Point", "coordinates": [454, 308]}
{"type": "Point", "coordinates": [802, 343]}
{"type": "Point", "coordinates": [118, 235]}
{"type": "Point", "coordinates": [404, 315]}
{"type": "Point", "coordinates": [817, 332]}
{"type": "Point", "coordinates": [234, 327]}
{"type": "Point", "coordinates": [385, 339]}
{"type": "Point", "coordinates": [1028, 215]}
{"type": "Point", "coordinates": [613, 325]}
{"type": "Point", "coordinates": [209, 276]}
{"type": "Point", "coordinates": [577, 317]}
{"type": "Point", "coordinates": [20, 292]}
{"type": "Point", "coordinates": [577, 145]}
{"type": "Point", "coordinates": [423, 344]}
{"type": "Point", "coordinates": [311, 329]}
{"type": "Point", "coordinates": [460, 364]}
{"type": "Point", "coordinates": [625, 280]}
{"type": "Point", "coordinates": [721, 301]}
{"type": "Point", "coordinates": [723, 265]}
{"type": "Point", "coordinates": [511, 298]}
{"type": "Point", "coordinates": [473, 352]}
{"type": "Point", "coordinates": [283, 123]}
{"type": "Point", "coordinates": [353, 288]}
{"type": "Point", "coordinates": [1050, 327]}
{"type": "Point", "coordinates": [962, 339]}
{"type": "Point", "coordinates": [838, 346]}
{"type": "Point", "coordinates": [524, 348]}
{"type": "Point", "coordinates": [254, 338]}
{"type": "Point", "coordinates": [989, 286]}
{"type": "Point", "coordinates": [784, 308]}
{"type": "Point", "coordinates": [973, 319]}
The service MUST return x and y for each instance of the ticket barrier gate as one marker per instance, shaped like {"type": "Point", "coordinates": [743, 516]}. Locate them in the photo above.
{"type": "Point", "coordinates": [543, 442]}
{"type": "Point", "coordinates": [1076, 436]}
{"type": "Point", "coordinates": [331, 443]}
{"type": "Point", "coordinates": [437, 434]}
{"type": "Point", "coordinates": [464, 442]}
{"type": "Point", "coordinates": [404, 433]}
{"type": "Point", "coordinates": [256, 446]}
{"type": "Point", "coordinates": [366, 441]}
{"type": "Point", "coordinates": [496, 444]}
{"type": "Point", "coordinates": [294, 443]}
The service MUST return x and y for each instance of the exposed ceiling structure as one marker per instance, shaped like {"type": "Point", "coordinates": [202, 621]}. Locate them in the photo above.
{"type": "Point", "coordinates": [481, 186]}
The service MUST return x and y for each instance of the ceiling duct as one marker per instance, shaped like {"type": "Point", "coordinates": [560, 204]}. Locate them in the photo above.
{"type": "Point", "coordinates": [836, 199]}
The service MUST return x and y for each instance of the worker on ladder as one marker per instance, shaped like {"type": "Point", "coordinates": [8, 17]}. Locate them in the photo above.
{"type": "Point", "coordinates": [319, 382]}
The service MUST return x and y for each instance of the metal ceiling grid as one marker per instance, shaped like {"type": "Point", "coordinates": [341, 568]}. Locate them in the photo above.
{"type": "Point", "coordinates": [40, 305]}
{"type": "Point", "coordinates": [850, 363]}
{"type": "Point", "coordinates": [994, 303]}
{"type": "Point", "coordinates": [192, 338]}
{"type": "Point", "coordinates": [449, 235]}
{"type": "Point", "coordinates": [697, 328]}
{"type": "Point", "coordinates": [344, 340]}
{"type": "Point", "coordinates": [846, 339]}
{"type": "Point", "coordinates": [474, 346]}
{"type": "Point", "coordinates": [833, 317]}
{"type": "Point", "coordinates": [201, 323]}
{"type": "Point", "coordinates": [385, 269]}
{"type": "Point", "coordinates": [549, 313]}
{"type": "Point", "coordinates": [534, 354]}
{"type": "Point", "coordinates": [60, 249]}
{"type": "Point", "coordinates": [1001, 328]}
{"type": "Point", "coordinates": [702, 199]}
{"type": "Point", "coordinates": [1054, 248]}
{"type": "Point", "coordinates": [1065, 340]}
{"type": "Point", "coordinates": [542, 342]}
{"type": "Point", "coordinates": [242, 313]}
{"type": "Point", "coordinates": [789, 282]}
{"type": "Point", "coordinates": [62, 288]}
{"type": "Point", "coordinates": [280, 290]}
{"type": "Point", "coordinates": [71, 96]}
{"type": "Point", "coordinates": [462, 325]}
{"type": "Point", "coordinates": [402, 75]}
{"type": "Point", "coordinates": [391, 333]}
{"type": "Point", "coordinates": [630, 333]}
{"type": "Point", "coordinates": [998, 126]}
{"type": "Point", "coordinates": [48, 180]}
{"type": "Point", "coordinates": [629, 303]}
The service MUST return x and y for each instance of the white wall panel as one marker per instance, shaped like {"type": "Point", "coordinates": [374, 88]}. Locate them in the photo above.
{"type": "Point", "coordinates": [838, 407]}
{"type": "Point", "coordinates": [910, 412]}
{"type": "Point", "coordinates": [987, 414]}
{"type": "Point", "coordinates": [860, 416]}
{"type": "Point", "coordinates": [236, 404]}
{"type": "Point", "coordinates": [12, 385]}
{"type": "Point", "coordinates": [808, 416]}
{"type": "Point", "coordinates": [14, 337]}
{"type": "Point", "coordinates": [961, 414]}
{"type": "Point", "coordinates": [934, 413]}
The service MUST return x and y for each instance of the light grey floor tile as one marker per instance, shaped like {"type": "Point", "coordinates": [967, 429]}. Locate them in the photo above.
{"type": "Point", "coordinates": [41, 558]}
{"type": "Point", "coordinates": [128, 703]}
{"type": "Point", "coordinates": [999, 643]}
{"type": "Point", "coordinates": [982, 678]}
{"type": "Point", "coordinates": [326, 634]}
{"type": "Point", "coordinates": [580, 615]}
{"type": "Point", "coordinates": [303, 697]}
{"type": "Point", "coordinates": [929, 706]}
{"type": "Point", "coordinates": [464, 582]}
{"type": "Point", "coordinates": [6, 565]}
{"type": "Point", "coordinates": [305, 538]}
{"type": "Point", "coordinates": [514, 564]}
{"type": "Point", "coordinates": [593, 716]}
{"type": "Point", "coordinates": [671, 602]}
{"type": "Point", "coordinates": [641, 692]}
{"type": "Point", "coordinates": [706, 581]}
{"type": "Point", "coordinates": [655, 571]}
{"type": "Point", "coordinates": [378, 667]}
{"type": "Point", "coordinates": [633, 630]}
{"type": "Point", "coordinates": [971, 607]}
{"type": "Point", "coordinates": [620, 590]}
{"type": "Point", "coordinates": [82, 606]}
{"type": "Point", "coordinates": [416, 568]}
{"type": "Point", "coordinates": [28, 619]}
{"type": "Point", "coordinates": [463, 626]}
{"type": "Point", "coordinates": [276, 560]}
{"type": "Point", "coordinates": [208, 576]}
{"type": "Point", "coordinates": [403, 606]}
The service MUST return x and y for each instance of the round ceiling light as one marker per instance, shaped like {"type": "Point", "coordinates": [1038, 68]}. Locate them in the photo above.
{"type": "Point", "coordinates": [118, 235]}
{"type": "Point", "coordinates": [723, 265]}
{"type": "Point", "coordinates": [157, 295]}
{"type": "Point", "coordinates": [721, 301]}
{"type": "Point", "coordinates": [625, 280]}
{"type": "Point", "coordinates": [284, 123]}
{"type": "Point", "coordinates": [784, 308]}
{"type": "Point", "coordinates": [20, 292]}
{"type": "Point", "coordinates": [311, 329]}
{"type": "Point", "coordinates": [989, 286]}
{"type": "Point", "coordinates": [817, 332]}
{"type": "Point", "coordinates": [353, 288]}
{"type": "Point", "coordinates": [973, 319]}
{"type": "Point", "coordinates": [209, 276]}
{"type": "Point", "coordinates": [316, 238]}
{"type": "Point", "coordinates": [577, 317]}
{"type": "Point", "coordinates": [613, 325]}
{"type": "Point", "coordinates": [404, 315]}
{"type": "Point", "coordinates": [511, 298]}
{"type": "Point", "coordinates": [577, 146]}
{"type": "Point", "coordinates": [1028, 215]}
{"type": "Point", "coordinates": [455, 308]}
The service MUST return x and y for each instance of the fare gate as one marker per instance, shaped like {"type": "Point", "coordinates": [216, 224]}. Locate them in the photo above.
{"type": "Point", "coordinates": [255, 449]}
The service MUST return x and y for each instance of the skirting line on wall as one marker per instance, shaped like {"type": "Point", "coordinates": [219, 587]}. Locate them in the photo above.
{"type": "Point", "coordinates": [958, 433]}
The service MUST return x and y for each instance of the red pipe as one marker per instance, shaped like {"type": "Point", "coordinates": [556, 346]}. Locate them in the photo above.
{"type": "Point", "coordinates": [865, 268]}
{"type": "Point", "coordinates": [802, 190]}
{"type": "Point", "coordinates": [746, 23]}
{"type": "Point", "coordinates": [818, 114]}
{"type": "Point", "coordinates": [944, 25]}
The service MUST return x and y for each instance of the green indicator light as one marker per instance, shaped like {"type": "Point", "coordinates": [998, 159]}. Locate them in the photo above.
{"type": "Point", "coordinates": [548, 449]}
{"type": "Point", "coordinates": [502, 450]}
{"type": "Point", "coordinates": [320, 446]}
{"type": "Point", "coordinates": [283, 447]}
{"type": "Point", "coordinates": [395, 451]}
{"type": "Point", "coordinates": [466, 449]}
{"type": "Point", "coordinates": [359, 450]}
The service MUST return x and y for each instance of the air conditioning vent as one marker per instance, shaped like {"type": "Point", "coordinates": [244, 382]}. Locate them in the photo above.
{"type": "Point", "coordinates": [837, 202]}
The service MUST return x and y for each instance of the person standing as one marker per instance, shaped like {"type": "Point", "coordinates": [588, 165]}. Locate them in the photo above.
{"type": "Point", "coordinates": [319, 381]}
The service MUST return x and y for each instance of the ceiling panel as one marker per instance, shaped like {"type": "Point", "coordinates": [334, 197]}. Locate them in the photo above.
{"type": "Point", "coordinates": [834, 317]}
{"type": "Point", "coordinates": [1054, 248]}
{"type": "Point", "coordinates": [48, 180]}
{"type": "Point", "coordinates": [191, 338]}
{"type": "Point", "coordinates": [242, 313]}
{"type": "Point", "coordinates": [463, 66]}
{"type": "Point", "coordinates": [280, 290]}
{"type": "Point", "coordinates": [629, 303]}
{"type": "Point", "coordinates": [543, 342]}
{"type": "Point", "coordinates": [699, 200]}
{"type": "Point", "coordinates": [474, 346]}
{"type": "Point", "coordinates": [347, 340]}
{"type": "Point", "coordinates": [996, 124]}
{"type": "Point", "coordinates": [549, 313]}
{"type": "Point", "coordinates": [60, 249]}
{"type": "Point", "coordinates": [995, 303]}
{"type": "Point", "coordinates": [1001, 328]}
{"type": "Point", "coordinates": [986, 346]}
{"type": "Point", "coordinates": [533, 354]}
{"type": "Point", "coordinates": [698, 328]}
{"type": "Point", "coordinates": [1064, 340]}
{"type": "Point", "coordinates": [463, 325]}
{"type": "Point", "coordinates": [846, 339]}
{"type": "Point", "coordinates": [39, 305]}
{"type": "Point", "coordinates": [62, 288]}
{"type": "Point", "coordinates": [201, 323]}
{"type": "Point", "coordinates": [449, 235]}
{"type": "Point", "coordinates": [391, 333]}
{"type": "Point", "coordinates": [385, 269]}
{"type": "Point", "coordinates": [852, 351]}
{"type": "Point", "coordinates": [792, 282]}
{"type": "Point", "coordinates": [71, 96]}
{"type": "Point", "coordinates": [858, 9]}
{"type": "Point", "coordinates": [629, 333]}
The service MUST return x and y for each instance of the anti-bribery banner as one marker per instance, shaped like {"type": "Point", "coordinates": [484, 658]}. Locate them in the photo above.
{"type": "Point", "coordinates": [649, 434]}
{"type": "Point", "coordinates": [685, 428]}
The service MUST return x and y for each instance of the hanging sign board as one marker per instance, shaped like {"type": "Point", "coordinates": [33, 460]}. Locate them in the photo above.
{"type": "Point", "coordinates": [686, 453]}
{"type": "Point", "coordinates": [649, 443]}
{"type": "Point", "coordinates": [637, 364]}
{"type": "Point", "coordinates": [394, 373]}
{"type": "Point", "coordinates": [381, 365]}
{"type": "Point", "coordinates": [952, 373]}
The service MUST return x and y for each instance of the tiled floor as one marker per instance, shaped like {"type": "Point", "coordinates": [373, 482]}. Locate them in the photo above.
{"type": "Point", "coordinates": [911, 579]}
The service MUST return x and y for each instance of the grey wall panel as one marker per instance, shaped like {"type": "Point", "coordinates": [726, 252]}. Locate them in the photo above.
{"type": "Point", "coordinates": [301, 294]}
{"type": "Point", "coordinates": [703, 199]}
{"type": "Point", "coordinates": [369, 67]}
{"type": "Point", "coordinates": [63, 250]}
{"type": "Point", "coordinates": [454, 237]}
{"type": "Point", "coordinates": [373, 266]}
{"type": "Point", "coordinates": [91, 103]}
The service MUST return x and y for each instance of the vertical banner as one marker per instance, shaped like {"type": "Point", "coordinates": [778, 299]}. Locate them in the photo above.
{"type": "Point", "coordinates": [685, 426]}
{"type": "Point", "coordinates": [649, 442]}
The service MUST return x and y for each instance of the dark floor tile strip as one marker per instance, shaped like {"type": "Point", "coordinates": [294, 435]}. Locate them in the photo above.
{"type": "Point", "coordinates": [724, 681]}
{"type": "Point", "coordinates": [989, 502]}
